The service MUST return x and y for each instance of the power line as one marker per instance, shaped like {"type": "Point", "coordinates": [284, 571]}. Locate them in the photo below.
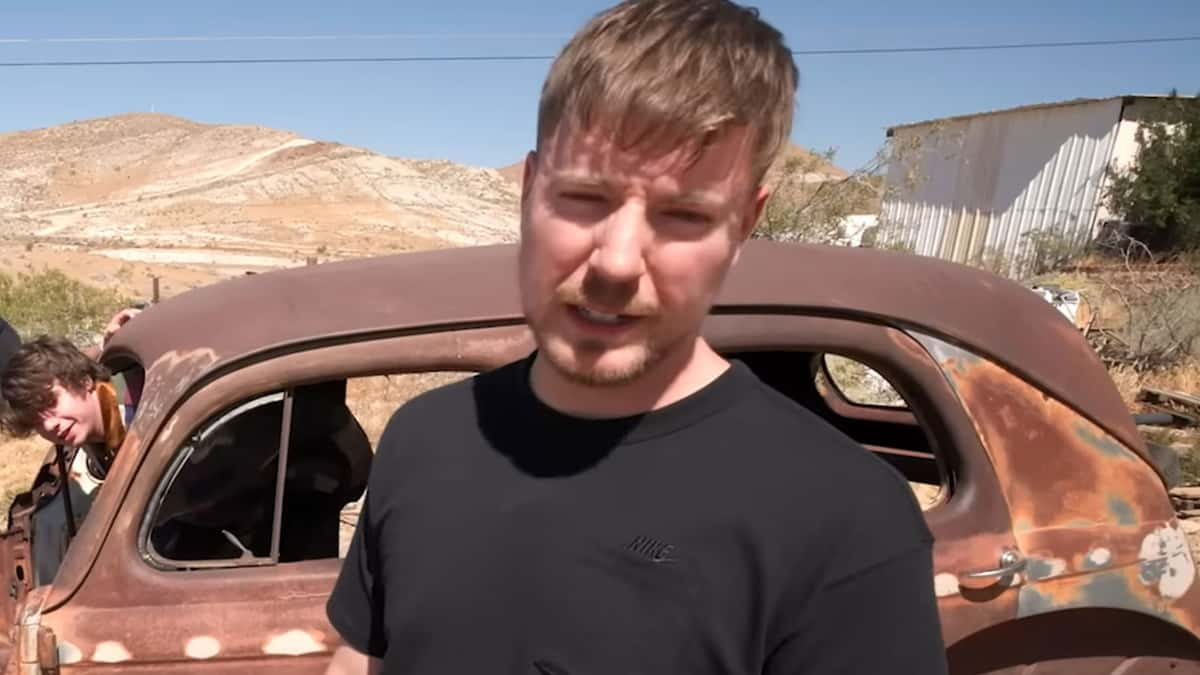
{"type": "Point", "coordinates": [250, 61]}
{"type": "Point", "coordinates": [498, 58]}
{"type": "Point", "coordinates": [1002, 46]}
{"type": "Point", "coordinates": [347, 37]}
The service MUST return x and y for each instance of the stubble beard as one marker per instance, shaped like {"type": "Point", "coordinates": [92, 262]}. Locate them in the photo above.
{"type": "Point", "coordinates": [583, 362]}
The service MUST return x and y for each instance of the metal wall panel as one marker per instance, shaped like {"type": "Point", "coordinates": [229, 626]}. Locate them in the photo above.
{"type": "Point", "coordinates": [978, 185]}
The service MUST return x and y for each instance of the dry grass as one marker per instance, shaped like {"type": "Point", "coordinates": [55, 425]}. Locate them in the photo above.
{"type": "Point", "coordinates": [22, 457]}
{"type": "Point", "coordinates": [374, 399]}
{"type": "Point", "coordinates": [1184, 378]}
{"type": "Point", "coordinates": [861, 384]}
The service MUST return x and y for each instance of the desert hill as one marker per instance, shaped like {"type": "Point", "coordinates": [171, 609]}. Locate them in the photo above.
{"type": "Point", "coordinates": [818, 170]}
{"type": "Point", "coordinates": [155, 187]}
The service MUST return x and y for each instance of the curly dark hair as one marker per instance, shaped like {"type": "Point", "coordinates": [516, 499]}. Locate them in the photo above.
{"type": "Point", "coordinates": [25, 383]}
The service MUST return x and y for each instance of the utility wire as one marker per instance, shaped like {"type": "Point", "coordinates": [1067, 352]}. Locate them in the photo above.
{"type": "Point", "coordinates": [498, 58]}
{"type": "Point", "coordinates": [346, 37]}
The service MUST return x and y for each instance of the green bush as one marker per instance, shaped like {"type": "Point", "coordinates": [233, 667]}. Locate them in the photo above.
{"type": "Point", "coordinates": [1159, 196]}
{"type": "Point", "coordinates": [50, 302]}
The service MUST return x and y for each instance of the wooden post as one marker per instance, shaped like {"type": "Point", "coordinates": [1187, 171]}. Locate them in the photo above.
{"type": "Point", "coordinates": [154, 293]}
{"type": "Point", "coordinates": [310, 260]}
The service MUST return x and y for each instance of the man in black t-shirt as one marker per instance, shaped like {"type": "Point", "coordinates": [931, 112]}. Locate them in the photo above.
{"type": "Point", "coordinates": [625, 500]}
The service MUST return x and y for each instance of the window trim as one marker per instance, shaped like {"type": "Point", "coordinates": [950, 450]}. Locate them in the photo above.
{"type": "Point", "coordinates": [176, 465]}
{"type": "Point", "coordinates": [837, 389]}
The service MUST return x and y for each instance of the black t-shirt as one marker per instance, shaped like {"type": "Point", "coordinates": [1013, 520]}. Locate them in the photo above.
{"type": "Point", "coordinates": [730, 532]}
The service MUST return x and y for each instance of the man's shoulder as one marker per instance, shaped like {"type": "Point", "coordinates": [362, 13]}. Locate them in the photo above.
{"type": "Point", "coordinates": [788, 437]}
{"type": "Point", "coordinates": [777, 421]}
{"type": "Point", "coordinates": [455, 402]}
{"type": "Point", "coordinates": [462, 393]}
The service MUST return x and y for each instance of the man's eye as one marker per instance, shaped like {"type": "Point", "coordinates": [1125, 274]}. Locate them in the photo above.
{"type": "Point", "coordinates": [688, 216]}
{"type": "Point", "coordinates": [588, 197]}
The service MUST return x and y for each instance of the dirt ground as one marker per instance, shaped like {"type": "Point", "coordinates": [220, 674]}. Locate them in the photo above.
{"type": "Point", "coordinates": [134, 279]}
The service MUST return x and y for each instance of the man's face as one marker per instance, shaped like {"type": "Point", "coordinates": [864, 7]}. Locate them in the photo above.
{"type": "Point", "coordinates": [75, 417]}
{"type": "Point", "coordinates": [622, 252]}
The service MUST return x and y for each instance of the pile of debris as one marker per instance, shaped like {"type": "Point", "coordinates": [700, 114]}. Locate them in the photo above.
{"type": "Point", "coordinates": [1178, 411]}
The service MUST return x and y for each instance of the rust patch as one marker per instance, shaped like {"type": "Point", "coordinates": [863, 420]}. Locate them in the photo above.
{"type": "Point", "coordinates": [168, 377]}
{"type": "Point", "coordinates": [1107, 589]}
{"type": "Point", "coordinates": [1121, 511]}
{"type": "Point", "coordinates": [1055, 467]}
{"type": "Point", "coordinates": [1102, 442]}
{"type": "Point", "coordinates": [1040, 569]}
{"type": "Point", "coordinates": [1089, 512]}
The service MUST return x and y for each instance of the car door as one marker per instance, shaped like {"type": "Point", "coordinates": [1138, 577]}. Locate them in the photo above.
{"type": "Point", "coordinates": [926, 436]}
{"type": "Point", "coordinates": [199, 572]}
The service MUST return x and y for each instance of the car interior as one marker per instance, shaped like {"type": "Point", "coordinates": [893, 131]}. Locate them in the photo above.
{"type": "Point", "coordinates": [218, 503]}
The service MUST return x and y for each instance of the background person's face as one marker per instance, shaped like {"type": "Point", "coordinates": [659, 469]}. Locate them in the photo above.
{"type": "Point", "coordinates": [74, 419]}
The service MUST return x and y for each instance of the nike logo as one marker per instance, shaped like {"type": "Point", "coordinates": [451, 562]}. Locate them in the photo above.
{"type": "Point", "coordinates": [651, 549]}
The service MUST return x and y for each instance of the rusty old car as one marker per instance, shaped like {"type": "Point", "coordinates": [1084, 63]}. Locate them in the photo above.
{"type": "Point", "coordinates": [215, 539]}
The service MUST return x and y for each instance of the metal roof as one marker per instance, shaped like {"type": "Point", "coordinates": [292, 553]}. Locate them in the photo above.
{"type": "Point", "coordinates": [1127, 98]}
{"type": "Point", "coordinates": [987, 314]}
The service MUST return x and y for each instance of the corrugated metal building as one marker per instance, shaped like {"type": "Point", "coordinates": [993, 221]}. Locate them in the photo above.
{"type": "Point", "coordinates": [970, 188]}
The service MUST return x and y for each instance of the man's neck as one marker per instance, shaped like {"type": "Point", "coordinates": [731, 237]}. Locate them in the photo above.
{"type": "Point", "coordinates": [677, 376]}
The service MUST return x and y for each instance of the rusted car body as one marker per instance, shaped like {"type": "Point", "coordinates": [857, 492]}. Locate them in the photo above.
{"type": "Point", "coordinates": [1057, 549]}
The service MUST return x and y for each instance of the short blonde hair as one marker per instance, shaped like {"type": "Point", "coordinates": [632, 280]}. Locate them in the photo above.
{"type": "Point", "coordinates": [672, 73]}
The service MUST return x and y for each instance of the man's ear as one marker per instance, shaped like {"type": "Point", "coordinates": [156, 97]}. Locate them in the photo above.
{"type": "Point", "coordinates": [527, 174]}
{"type": "Point", "coordinates": [750, 218]}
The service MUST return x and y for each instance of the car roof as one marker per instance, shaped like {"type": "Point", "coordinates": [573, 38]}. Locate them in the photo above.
{"type": "Point", "coordinates": [987, 314]}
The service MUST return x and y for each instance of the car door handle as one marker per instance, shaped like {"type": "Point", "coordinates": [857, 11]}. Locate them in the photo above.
{"type": "Point", "coordinates": [1011, 562]}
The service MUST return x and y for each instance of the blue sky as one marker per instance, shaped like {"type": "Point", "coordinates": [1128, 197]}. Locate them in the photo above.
{"type": "Point", "coordinates": [484, 112]}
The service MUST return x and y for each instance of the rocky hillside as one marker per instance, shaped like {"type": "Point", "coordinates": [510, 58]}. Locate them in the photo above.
{"type": "Point", "coordinates": [155, 187]}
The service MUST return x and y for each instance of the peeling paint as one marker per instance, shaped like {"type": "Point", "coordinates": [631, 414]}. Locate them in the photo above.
{"type": "Point", "coordinates": [1032, 601]}
{"type": "Point", "coordinates": [1040, 569]}
{"type": "Point", "coordinates": [1166, 562]}
{"type": "Point", "coordinates": [1097, 558]}
{"type": "Point", "coordinates": [111, 652]}
{"type": "Point", "coordinates": [945, 584]}
{"type": "Point", "coordinates": [1122, 511]}
{"type": "Point", "coordinates": [202, 647]}
{"type": "Point", "coordinates": [170, 426]}
{"type": "Point", "coordinates": [68, 652]}
{"type": "Point", "coordinates": [293, 643]}
{"type": "Point", "coordinates": [1104, 589]}
{"type": "Point", "coordinates": [1111, 589]}
{"type": "Point", "coordinates": [1100, 441]}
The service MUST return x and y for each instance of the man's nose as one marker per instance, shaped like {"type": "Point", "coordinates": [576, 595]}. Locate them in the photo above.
{"type": "Point", "coordinates": [620, 245]}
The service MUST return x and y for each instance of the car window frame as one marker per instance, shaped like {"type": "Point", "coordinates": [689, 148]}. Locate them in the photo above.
{"type": "Point", "coordinates": [179, 461]}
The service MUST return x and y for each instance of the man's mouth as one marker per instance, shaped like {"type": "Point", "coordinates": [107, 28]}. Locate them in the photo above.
{"type": "Point", "coordinates": [602, 317]}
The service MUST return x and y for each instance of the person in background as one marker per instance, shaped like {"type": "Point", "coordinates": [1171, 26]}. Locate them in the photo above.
{"type": "Point", "coordinates": [52, 388]}
{"type": "Point", "coordinates": [61, 392]}
{"type": "Point", "coordinates": [9, 341]}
